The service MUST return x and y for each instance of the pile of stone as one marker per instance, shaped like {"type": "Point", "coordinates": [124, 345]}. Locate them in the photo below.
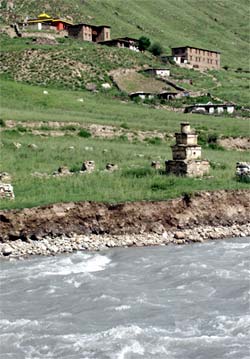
{"type": "Point", "coordinates": [6, 191]}
{"type": "Point", "coordinates": [243, 171]}
{"type": "Point", "coordinates": [88, 166]}
{"type": "Point", "coordinates": [111, 167]}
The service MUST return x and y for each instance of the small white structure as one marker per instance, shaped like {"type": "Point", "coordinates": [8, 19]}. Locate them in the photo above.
{"type": "Point", "coordinates": [158, 72]}
{"type": "Point", "coordinates": [210, 108]}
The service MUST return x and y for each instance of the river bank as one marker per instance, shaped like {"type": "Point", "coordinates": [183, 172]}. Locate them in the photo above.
{"type": "Point", "coordinates": [65, 227]}
{"type": "Point", "coordinates": [63, 244]}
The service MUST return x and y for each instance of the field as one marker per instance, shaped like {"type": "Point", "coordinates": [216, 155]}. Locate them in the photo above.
{"type": "Point", "coordinates": [134, 180]}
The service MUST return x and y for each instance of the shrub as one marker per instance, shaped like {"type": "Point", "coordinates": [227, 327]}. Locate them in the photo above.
{"type": "Point", "coordinates": [125, 125]}
{"type": "Point", "coordinates": [154, 140]}
{"type": "Point", "coordinates": [156, 49]}
{"type": "Point", "coordinates": [144, 43]}
{"type": "Point", "coordinates": [84, 133]}
{"type": "Point", "coordinates": [2, 123]}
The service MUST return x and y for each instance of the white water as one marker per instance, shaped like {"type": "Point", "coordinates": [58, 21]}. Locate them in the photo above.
{"type": "Point", "coordinates": [169, 302]}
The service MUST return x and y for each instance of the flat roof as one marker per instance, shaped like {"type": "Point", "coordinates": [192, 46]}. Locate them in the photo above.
{"type": "Point", "coordinates": [194, 47]}
{"type": "Point", "coordinates": [84, 24]}
{"type": "Point", "coordinates": [34, 21]}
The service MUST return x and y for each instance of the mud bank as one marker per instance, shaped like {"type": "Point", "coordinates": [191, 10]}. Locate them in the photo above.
{"type": "Point", "coordinates": [93, 226]}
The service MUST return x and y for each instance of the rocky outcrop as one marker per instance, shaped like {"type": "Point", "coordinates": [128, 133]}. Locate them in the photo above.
{"type": "Point", "coordinates": [219, 208]}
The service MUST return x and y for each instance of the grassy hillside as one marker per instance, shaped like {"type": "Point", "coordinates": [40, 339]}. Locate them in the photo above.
{"type": "Point", "coordinates": [221, 25]}
{"type": "Point", "coordinates": [134, 180]}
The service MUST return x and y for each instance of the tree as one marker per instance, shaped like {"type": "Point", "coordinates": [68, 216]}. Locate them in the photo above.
{"type": "Point", "coordinates": [144, 43]}
{"type": "Point", "coordinates": [156, 49]}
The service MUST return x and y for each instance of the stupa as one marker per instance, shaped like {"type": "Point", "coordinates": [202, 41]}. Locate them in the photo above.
{"type": "Point", "coordinates": [187, 155]}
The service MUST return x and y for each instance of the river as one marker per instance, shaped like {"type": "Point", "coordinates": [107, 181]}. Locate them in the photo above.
{"type": "Point", "coordinates": [168, 302]}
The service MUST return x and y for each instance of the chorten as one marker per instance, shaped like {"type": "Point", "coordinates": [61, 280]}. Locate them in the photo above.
{"type": "Point", "coordinates": [187, 155]}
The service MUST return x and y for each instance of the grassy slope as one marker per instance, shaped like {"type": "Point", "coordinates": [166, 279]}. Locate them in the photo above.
{"type": "Point", "coordinates": [134, 180]}
{"type": "Point", "coordinates": [174, 23]}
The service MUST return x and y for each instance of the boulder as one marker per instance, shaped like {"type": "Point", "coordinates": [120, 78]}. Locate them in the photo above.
{"type": "Point", "coordinates": [111, 167]}
{"type": "Point", "coordinates": [88, 166]}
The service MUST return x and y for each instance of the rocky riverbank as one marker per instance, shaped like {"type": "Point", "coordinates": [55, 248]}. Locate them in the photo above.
{"type": "Point", "coordinates": [65, 227]}
{"type": "Point", "coordinates": [65, 244]}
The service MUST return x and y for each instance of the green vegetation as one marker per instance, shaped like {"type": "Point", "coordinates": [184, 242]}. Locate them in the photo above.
{"type": "Point", "coordinates": [144, 43]}
{"type": "Point", "coordinates": [221, 25]}
{"type": "Point", "coordinates": [44, 86]}
{"type": "Point", "coordinates": [135, 180]}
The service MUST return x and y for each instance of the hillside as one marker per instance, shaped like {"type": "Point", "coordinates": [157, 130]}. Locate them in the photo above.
{"type": "Point", "coordinates": [173, 23]}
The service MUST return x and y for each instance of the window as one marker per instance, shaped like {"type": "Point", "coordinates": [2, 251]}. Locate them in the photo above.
{"type": "Point", "coordinates": [107, 35]}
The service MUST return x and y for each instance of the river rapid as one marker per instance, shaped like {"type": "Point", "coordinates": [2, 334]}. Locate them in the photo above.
{"type": "Point", "coordinates": [168, 302]}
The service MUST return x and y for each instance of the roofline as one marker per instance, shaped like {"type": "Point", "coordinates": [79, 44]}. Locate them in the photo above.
{"type": "Point", "coordinates": [119, 39]}
{"type": "Point", "coordinates": [34, 21]}
{"type": "Point", "coordinates": [212, 105]}
{"type": "Point", "coordinates": [83, 23]}
{"type": "Point", "coordinates": [194, 47]}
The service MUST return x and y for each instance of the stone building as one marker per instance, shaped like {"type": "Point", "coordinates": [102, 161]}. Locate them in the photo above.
{"type": "Point", "coordinates": [187, 155]}
{"type": "Point", "coordinates": [90, 33]}
{"type": "Point", "coordinates": [122, 42]}
{"type": "Point", "coordinates": [198, 58]}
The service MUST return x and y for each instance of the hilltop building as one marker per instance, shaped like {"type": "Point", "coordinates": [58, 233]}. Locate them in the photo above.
{"type": "Point", "coordinates": [46, 22]}
{"type": "Point", "coordinates": [187, 155]}
{"type": "Point", "coordinates": [196, 57]}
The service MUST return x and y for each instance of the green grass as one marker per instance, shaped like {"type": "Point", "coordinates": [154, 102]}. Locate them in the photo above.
{"type": "Point", "coordinates": [28, 103]}
{"type": "Point", "coordinates": [135, 180]}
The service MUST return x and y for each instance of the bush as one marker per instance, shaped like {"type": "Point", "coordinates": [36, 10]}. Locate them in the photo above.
{"type": "Point", "coordinates": [84, 133]}
{"type": "Point", "coordinates": [154, 140]}
{"type": "Point", "coordinates": [125, 125]}
{"type": "Point", "coordinates": [144, 43]}
{"type": "Point", "coordinates": [2, 123]}
{"type": "Point", "coordinates": [156, 49]}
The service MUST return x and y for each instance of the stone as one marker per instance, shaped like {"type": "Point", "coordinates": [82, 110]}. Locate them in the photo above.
{"type": "Point", "coordinates": [5, 177]}
{"type": "Point", "coordinates": [106, 86]}
{"type": "Point", "coordinates": [243, 170]}
{"type": "Point", "coordinates": [33, 146]}
{"type": "Point", "coordinates": [111, 167]}
{"type": "Point", "coordinates": [179, 235]}
{"type": "Point", "coordinates": [90, 86]}
{"type": "Point", "coordinates": [156, 165]}
{"type": "Point", "coordinates": [45, 92]}
{"type": "Point", "coordinates": [6, 191]}
{"type": "Point", "coordinates": [88, 166]}
{"type": "Point", "coordinates": [17, 145]}
{"type": "Point", "coordinates": [63, 170]}
{"type": "Point", "coordinates": [7, 250]}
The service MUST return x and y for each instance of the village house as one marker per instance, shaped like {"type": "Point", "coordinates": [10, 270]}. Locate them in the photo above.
{"type": "Point", "coordinates": [122, 42]}
{"type": "Point", "coordinates": [210, 108]}
{"type": "Point", "coordinates": [90, 33]}
{"type": "Point", "coordinates": [166, 95]}
{"type": "Point", "coordinates": [196, 57]}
